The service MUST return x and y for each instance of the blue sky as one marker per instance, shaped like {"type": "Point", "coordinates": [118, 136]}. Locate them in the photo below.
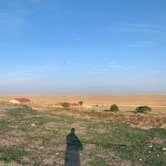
{"type": "Point", "coordinates": [82, 46]}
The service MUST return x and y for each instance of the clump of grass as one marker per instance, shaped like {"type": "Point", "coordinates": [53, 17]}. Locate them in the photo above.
{"type": "Point", "coordinates": [66, 105]}
{"type": "Point", "coordinates": [157, 132]}
{"type": "Point", "coordinates": [114, 108]}
{"type": "Point", "coordinates": [80, 102]}
{"type": "Point", "coordinates": [93, 114]}
{"type": "Point", "coordinates": [9, 154]}
{"type": "Point", "coordinates": [4, 126]}
{"type": "Point", "coordinates": [100, 140]}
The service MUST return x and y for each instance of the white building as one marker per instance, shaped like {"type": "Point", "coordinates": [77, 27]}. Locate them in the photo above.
{"type": "Point", "coordinates": [21, 101]}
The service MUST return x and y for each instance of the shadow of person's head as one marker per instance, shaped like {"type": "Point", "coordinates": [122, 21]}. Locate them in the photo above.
{"type": "Point", "coordinates": [72, 131]}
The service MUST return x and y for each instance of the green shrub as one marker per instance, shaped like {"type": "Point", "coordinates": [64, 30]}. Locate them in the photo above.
{"type": "Point", "coordinates": [81, 102]}
{"type": "Point", "coordinates": [143, 109]}
{"type": "Point", "coordinates": [66, 105]}
{"type": "Point", "coordinates": [114, 108]}
{"type": "Point", "coordinates": [93, 113]}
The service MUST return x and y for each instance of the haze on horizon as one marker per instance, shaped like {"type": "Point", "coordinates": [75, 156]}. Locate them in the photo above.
{"type": "Point", "coordinates": [90, 46]}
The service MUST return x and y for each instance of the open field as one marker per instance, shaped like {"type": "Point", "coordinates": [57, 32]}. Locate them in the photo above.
{"type": "Point", "coordinates": [30, 137]}
{"type": "Point", "coordinates": [125, 138]}
{"type": "Point", "coordinates": [156, 101]}
{"type": "Point", "coordinates": [107, 99]}
{"type": "Point", "coordinates": [126, 102]}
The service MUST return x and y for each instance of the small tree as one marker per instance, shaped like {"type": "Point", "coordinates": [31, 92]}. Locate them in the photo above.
{"type": "Point", "coordinates": [66, 105]}
{"type": "Point", "coordinates": [81, 102]}
{"type": "Point", "coordinates": [143, 109]}
{"type": "Point", "coordinates": [114, 108]}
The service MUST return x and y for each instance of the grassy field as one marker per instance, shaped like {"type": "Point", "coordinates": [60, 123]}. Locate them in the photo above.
{"type": "Point", "coordinates": [31, 137]}
{"type": "Point", "coordinates": [125, 101]}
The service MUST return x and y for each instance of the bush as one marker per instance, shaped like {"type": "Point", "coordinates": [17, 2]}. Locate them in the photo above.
{"type": "Point", "coordinates": [80, 102]}
{"type": "Point", "coordinates": [143, 109]}
{"type": "Point", "coordinates": [66, 105]}
{"type": "Point", "coordinates": [114, 108]}
{"type": "Point", "coordinates": [93, 113]}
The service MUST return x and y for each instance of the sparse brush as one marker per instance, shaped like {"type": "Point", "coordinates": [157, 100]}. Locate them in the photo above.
{"type": "Point", "coordinates": [114, 108]}
{"type": "Point", "coordinates": [65, 105]}
{"type": "Point", "coordinates": [143, 109]}
{"type": "Point", "coordinates": [81, 102]}
{"type": "Point", "coordinates": [106, 141]}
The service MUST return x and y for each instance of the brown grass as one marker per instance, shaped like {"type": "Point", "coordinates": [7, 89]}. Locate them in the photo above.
{"type": "Point", "coordinates": [45, 144]}
{"type": "Point", "coordinates": [126, 102]}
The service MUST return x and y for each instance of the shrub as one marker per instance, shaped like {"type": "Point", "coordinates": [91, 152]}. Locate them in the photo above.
{"type": "Point", "coordinates": [114, 108]}
{"type": "Point", "coordinates": [93, 112]}
{"type": "Point", "coordinates": [80, 102]}
{"type": "Point", "coordinates": [66, 105]}
{"type": "Point", "coordinates": [143, 109]}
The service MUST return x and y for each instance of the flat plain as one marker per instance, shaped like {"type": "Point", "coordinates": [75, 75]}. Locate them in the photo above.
{"type": "Point", "coordinates": [156, 101]}
{"type": "Point", "coordinates": [37, 136]}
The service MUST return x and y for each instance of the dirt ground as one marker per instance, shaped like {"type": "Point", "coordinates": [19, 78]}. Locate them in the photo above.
{"type": "Point", "coordinates": [125, 101]}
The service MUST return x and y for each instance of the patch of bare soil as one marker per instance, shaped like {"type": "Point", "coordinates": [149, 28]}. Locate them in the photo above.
{"type": "Point", "coordinates": [9, 164]}
{"type": "Point", "coordinates": [161, 141]}
{"type": "Point", "coordinates": [50, 125]}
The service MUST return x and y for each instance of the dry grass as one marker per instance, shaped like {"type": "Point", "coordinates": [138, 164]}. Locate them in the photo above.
{"type": "Point", "coordinates": [105, 143]}
{"type": "Point", "coordinates": [156, 101]}
{"type": "Point", "coordinates": [126, 102]}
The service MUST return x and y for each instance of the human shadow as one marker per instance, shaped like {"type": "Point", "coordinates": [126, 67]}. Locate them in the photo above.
{"type": "Point", "coordinates": [73, 148]}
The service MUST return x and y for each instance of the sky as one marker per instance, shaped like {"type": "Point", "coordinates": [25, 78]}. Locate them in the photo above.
{"type": "Point", "coordinates": [82, 46]}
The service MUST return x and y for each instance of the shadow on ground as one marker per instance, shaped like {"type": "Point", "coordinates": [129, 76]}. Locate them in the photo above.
{"type": "Point", "coordinates": [73, 148]}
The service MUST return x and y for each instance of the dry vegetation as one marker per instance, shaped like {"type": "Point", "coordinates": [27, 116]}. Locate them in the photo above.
{"type": "Point", "coordinates": [35, 138]}
{"type": "Point", "coordinates": [30, 137]}
{"type": "Point", "coordinates": [126, 102]}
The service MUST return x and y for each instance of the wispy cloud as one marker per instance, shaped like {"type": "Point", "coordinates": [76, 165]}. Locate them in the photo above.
{"type": "Point", "coordinates": [116, 66]}
{"type": "Point", "coordinates": [141, 27]}
{"type": "Point", "coordinates": [142, 44]}
{"type": "Point", "coordinates": [109, 67]}
{"type": "Point", "coordinates": [133, 27]}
